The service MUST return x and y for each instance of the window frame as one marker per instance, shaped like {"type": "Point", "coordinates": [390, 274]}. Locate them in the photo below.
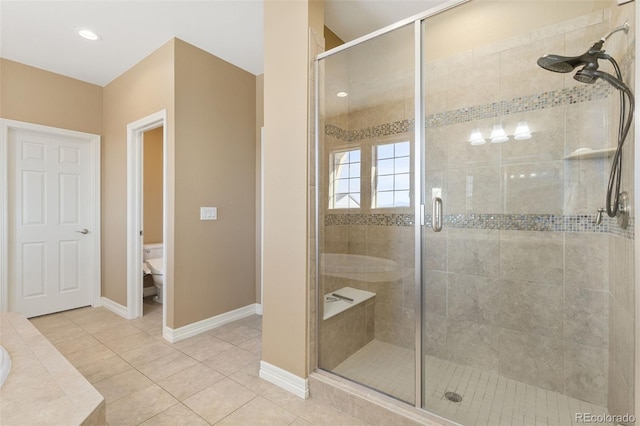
{"type": "Point", "coordinates": [331, 199]}
{"type": "Point", "coordinates": [397, 139]}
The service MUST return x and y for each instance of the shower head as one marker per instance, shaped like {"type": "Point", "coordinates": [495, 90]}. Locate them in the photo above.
{"type": "Point", "coordinates": [564, 64]}
{"type": "Point", "coordinates": [589, 59]}
{"type": "Point", "coordinates": [590, 76]}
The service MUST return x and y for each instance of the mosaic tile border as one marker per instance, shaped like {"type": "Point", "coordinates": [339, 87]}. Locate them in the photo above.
{"type": "Point", "coordinates": [387, 129]}
{"type": "Point", "coordinates": [502, 222]}
{"type": "Point", "coordinates": [381, 219]}
{"type": "Point", "coordinates": [556, 98]}
{"type": "Point", "coordinates": [567, 96]}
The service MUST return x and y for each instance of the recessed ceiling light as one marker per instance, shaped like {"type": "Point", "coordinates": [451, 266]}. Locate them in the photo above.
{"type": "Point", "coordinates": [341, 94]}
{"type": "Point", "coordinates": [88, 34]}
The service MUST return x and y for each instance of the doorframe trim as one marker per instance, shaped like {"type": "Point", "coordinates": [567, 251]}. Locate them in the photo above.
{"type": "Point", "coordinates": [94, 145]}
{"type": "Point", "coordinates": [135, 157]}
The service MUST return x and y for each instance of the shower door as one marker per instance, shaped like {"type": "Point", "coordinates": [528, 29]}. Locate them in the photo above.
{"type": "Point", "coordinates": [366, 226]}
{"type": "Point", "coordinates": [522, 320]}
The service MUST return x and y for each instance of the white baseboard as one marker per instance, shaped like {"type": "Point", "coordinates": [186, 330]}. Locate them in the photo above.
{"type": "Point", "coordinates": [116, 308]}
{"type": "Point", "coordinates": [258, 308]}
{"type": "Point", "coordinates": [148, 291]}
{"type": "Point", "coordinates": [287, 381]}
{"type": "Point", "coordinates": [181, 333]}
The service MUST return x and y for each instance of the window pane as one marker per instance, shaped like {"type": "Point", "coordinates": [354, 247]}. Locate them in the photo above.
{"type": "Point", "coordinates": [384, 199]}
{"type": "Point", "coordinates": [342, 201]}
{"type": "Point", "coordinates": [385, 167]}
{"type": "Point", "coordinates": [342, 185]}
{"type": "Point", "coordinates": [344, 180]}
{"type": "Point", "coordinates": [354, 185]}
{"type": "Point", "coordinates": [385, 151]}
{"type": "Point", "coordinates": [385, 183]}
{"type": "Point", "coordinates": [342, 172]}
{"type": "Point", "coordinates": [403, 149]}
{"type": "Point", "coordinates": [340, 158]}
{"type": "Point", "coordinates": [402, 181]}
{"type": "Point", "coordinates": [402, 199]}
{"type": "Point", "coordinates": [402, 165]}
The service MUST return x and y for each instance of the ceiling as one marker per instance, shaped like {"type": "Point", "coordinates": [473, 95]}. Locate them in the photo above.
{"type": "Point", "coordinates": [42, 33]}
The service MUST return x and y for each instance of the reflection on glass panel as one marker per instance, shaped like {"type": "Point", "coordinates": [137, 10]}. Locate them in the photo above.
{"type": "Point", "coordinates": [354, 156]}
{"type": "Point", "coordinates": [354, 169]}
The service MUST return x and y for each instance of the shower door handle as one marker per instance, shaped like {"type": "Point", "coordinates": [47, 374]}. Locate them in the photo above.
{"type": "Point", "coordinates": [436, 215]}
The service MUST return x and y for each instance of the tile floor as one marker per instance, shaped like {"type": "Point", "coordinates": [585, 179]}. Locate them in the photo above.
{"type": "Point", "coordinates": [211, 378]}
{"type": "Point", "coordinates": [488, 398]}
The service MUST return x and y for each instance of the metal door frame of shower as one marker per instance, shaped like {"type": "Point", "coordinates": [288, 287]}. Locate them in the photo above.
{"type": "Point", "coordinates": [418, 191]}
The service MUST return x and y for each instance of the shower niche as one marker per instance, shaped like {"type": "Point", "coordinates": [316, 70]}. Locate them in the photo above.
{"type": "Point", "coordinates": [519, 297]}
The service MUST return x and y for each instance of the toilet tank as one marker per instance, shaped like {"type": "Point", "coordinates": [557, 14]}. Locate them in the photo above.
{"type": "Point", "coordinates": [152, 251]}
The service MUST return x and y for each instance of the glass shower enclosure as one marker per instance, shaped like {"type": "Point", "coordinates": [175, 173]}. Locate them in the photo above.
{"type": "Point", "coordinates": [460, 266]}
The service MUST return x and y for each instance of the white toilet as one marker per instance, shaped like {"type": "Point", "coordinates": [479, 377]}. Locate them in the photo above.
{"type": "Point", "coordinates": [152, 255]}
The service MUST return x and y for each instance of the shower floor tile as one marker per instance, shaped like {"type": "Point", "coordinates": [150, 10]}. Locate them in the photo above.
{"type": "Point", "coordinates": [488, 399]}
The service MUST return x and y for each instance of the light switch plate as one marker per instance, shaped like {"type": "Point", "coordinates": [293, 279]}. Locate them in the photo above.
{"type": "Point", "coordinates": [208, 213]}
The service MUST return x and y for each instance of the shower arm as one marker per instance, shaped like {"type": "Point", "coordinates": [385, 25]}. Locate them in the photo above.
{"type": "Point", "coordinates": [624, 27]}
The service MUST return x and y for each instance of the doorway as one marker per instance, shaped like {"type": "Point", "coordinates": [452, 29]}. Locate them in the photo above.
{"type": "Point", "coordinates": [50, 219]}
{"type": "Point", "coordinates": [153, 125]}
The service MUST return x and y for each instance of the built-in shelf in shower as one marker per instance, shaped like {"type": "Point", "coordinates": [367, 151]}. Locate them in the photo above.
{"type": "Point", "coordinates": [586, 153]}
{"type": "Point", "coordinates": [343, 299]}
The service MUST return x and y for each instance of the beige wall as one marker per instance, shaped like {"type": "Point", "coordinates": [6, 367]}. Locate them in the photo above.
{"type": "Point", "coordinates": [145, 89]}
{"type": "Point", "coordinates": [37, 96]}
{"type": "Point", "coordinates": [152, 191]}
{"type": "Point", "coordinates": [286, 103]}
{"type": "Point", "coordinates": [215, 106]}
{"type": "Point", "coordinates": [449, 31]}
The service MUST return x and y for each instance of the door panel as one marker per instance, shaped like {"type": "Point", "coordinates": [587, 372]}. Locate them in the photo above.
{"type": "Point", "coordinates": [50, 204]}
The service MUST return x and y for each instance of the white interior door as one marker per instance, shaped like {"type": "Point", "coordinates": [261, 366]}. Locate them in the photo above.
{"type": "Point", "coordinates": [51, 227]}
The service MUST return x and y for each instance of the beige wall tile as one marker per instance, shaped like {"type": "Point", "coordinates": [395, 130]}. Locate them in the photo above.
{"type": "Point", "coordinates": [533, 188]}
{"type": "Point", "coordinates": [586, 260]}
{"type": "Point", "coordinates": [472, 298]}
{"type": "Point", "coordinates": [474, 252]}
{"type": "Point", "coordinates": [531, 308]}
{"type": "Point", "coordinates": [586, 373]}
{"type": "Point", "coordinates": [586, 317]}
{"type": "Point", "coordinates": [532, 359]}
{"type": "Point", "coordinates": [532, 256]}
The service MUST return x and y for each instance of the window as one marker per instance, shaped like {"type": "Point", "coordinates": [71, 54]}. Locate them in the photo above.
{"type": "Point", "coordinates": [391, 175]}
{"type": "Point", "coordinates": [344, 183]}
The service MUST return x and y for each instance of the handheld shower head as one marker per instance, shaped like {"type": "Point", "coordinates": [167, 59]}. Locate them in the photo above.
{"type": "Point", "coordinates": [590, 76]}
